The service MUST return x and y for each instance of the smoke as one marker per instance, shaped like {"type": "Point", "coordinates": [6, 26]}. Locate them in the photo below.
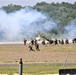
{"type": "Point", "coordinates": [25, 23]}
{"type": "Point", "coordinates": [71, 30]}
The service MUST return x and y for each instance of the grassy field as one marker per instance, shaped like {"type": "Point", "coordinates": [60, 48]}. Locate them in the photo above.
{"type": "Point", "coordinates": [36, 69]}
{"type": "Point", "coordinates": [48, 60]}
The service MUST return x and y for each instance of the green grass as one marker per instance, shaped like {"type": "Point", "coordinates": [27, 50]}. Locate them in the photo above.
{"type": "Point", "coordinates": [41, 69]}
{"type": "Point", "coordinates": [35, 69]}
{"type": "Point", "coordinates": [8, 69]}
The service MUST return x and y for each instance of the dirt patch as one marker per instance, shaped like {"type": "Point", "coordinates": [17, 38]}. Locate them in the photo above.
{"type": "Point", "coordinates": [47, 54]}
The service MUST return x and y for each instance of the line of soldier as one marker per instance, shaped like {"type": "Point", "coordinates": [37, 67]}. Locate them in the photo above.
{"type": "Point", "coordinates": [56, 41]}
{"type": "Point", "coordinates": [35, 43]}
{"type": "Point", "coordinates": [66, 41]}
{"type": "Point", "coordinates": [50, 41]}
{"type": "Point", "coordinates": [59, 41]}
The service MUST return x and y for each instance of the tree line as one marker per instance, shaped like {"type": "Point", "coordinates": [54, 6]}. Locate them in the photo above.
{"type": "Point", "coordinates": [61, 13]}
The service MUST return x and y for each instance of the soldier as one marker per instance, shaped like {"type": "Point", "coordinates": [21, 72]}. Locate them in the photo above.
{"type": "Point", "coordinates": [30, 47]}
{"type": "Point", "coordinates": [43, 42]}
{"type": "Point", "coordinates": [74, 40]}
{"type": "Point", "coordinates": [35, 41]}
{"type": "Point", "coordinates": [56, 42]}
{"type": "Point", "coordinates": [66, 41]}
{"type": "Point", "coordinates": [59, 42]}
{"type": "Point", "coordinates": [32, 42]}
{"type": "Point", "coordinates": [50, 41]}
{"type": "Point", "coordinates": [37, 47]}
{"type": "Point", "coordinates": [24, 41]}
{"type": "Point", "coordinates": [62, 41]}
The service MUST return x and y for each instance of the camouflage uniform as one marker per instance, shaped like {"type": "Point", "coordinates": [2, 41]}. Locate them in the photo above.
{"type": "Point", "coordinates": [56, 42]}
{"type": "Point", "coordinates": [62, 42]}
{"type": "Point", "coordinates": [31, 48]}
{"type": "Point", "coordinates": [32, 42]}
{"type": "Point", "coordinates": [66, 41]}
{"type": "Point", "coordinates": [25, 41]}
{"type": "Point", "coordinates": [37, 47]}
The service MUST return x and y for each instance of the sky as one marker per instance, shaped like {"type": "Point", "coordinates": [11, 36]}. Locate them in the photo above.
{"type": "Point", "coordinates": [30, 2]}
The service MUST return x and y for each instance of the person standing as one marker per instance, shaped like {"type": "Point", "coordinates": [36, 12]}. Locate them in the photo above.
{"type": "Point", "coordinates": [32, 42]}
{"type": "Point", "coordinates": [56, 41]}
{"type": "Point", "coordinates": [62, 41]}
{"type": "Point", "coordinates": [37, 47]}
{"type": "Point", "coordinates": [25, 41]}
{"type": "Point", "coordinates": [66, 41]}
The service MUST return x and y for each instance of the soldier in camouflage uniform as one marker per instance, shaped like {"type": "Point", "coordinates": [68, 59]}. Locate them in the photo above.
{"type": "Point", "coordinates": [25, 41]}
{"type": "Point", "coordinates": [37, 47]}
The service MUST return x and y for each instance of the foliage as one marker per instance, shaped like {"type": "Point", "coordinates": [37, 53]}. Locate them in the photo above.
{"type": "Point", "coordinates": [62, 13]}
{"type": "Point", "coordinates": [11, 8]}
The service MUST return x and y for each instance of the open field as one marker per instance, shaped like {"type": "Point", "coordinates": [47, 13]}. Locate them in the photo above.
{"type": "Point", "coordinates": [47, 54]}
{"type": "Point", "coordinates": [48, 60]}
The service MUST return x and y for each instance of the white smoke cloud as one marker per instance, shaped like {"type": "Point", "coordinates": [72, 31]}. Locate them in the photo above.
{"type": "Point", "coordinates": [71, 30]}
{"type": "Point", "coordinates": [23, 24]}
